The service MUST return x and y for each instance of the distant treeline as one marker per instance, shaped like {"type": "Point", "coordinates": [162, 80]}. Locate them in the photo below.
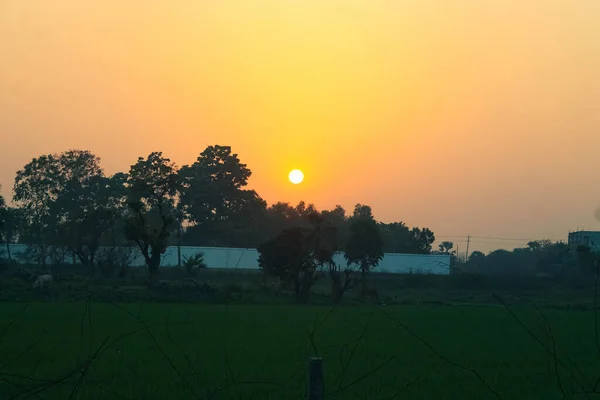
{"type": "Point", "coordinates": [65, 203]}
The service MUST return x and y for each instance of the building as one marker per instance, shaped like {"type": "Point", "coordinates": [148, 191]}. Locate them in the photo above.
{"type": "Point", "coordinates": [590, 239]}
{"type": "Point", "coordinates": [232, 258]}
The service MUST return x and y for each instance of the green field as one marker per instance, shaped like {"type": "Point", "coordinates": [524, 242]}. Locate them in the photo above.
{"type": "Point", "coordinates": [187, 351]}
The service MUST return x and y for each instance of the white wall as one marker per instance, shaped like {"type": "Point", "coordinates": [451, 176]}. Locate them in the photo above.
{"type": "Point", "coordinates": [230, 258]}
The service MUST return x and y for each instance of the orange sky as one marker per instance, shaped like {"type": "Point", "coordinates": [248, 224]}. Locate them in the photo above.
{"type": "Point", "coordinates": [463, 116]}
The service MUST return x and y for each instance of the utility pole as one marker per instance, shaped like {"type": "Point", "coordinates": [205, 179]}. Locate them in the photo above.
{"type": "Point", "coordinates": [179, 241]}
{"type": "Point", "coordinates": [468, 241]}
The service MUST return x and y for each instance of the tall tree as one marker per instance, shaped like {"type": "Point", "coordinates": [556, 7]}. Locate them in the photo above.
{"type": "Point", "coordinates": [153, 185]}
{"type": "Point", "coordinates": [364, 246]}
{"type": "Point", "coordinates": [220, 210]}
{"type": "Point", "coordinates": [39, 190]}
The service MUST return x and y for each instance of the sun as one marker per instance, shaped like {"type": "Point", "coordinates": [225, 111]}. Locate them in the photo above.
{"type": "Point", "coordinates": [296, 176]}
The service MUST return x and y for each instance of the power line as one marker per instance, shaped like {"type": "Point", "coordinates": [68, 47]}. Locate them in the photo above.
{"type": "Point", "coordinates": [466, 237]}
{"type": "Point", "coordinates": [450, 236]}
{"type": "Point", "coordinates": [515, 239]}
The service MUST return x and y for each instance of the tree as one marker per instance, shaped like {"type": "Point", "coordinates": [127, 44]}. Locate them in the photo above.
{"type": "Point", "coordinates": [476, 257]}
{"type": "Point", "coordinates": [288, 257]}
{"type": "Point", "coordinates": [337, 220]}
{"type": "Point", "coordinates": [87, 213]}
{"type": "Point", "coordinates": [446, 247]}
{"type": "Point", "coordinates": [3, 221]}
{"type": "Point", "coordinates": [281, 216]}
{"type": "Point", "coordinates": [299, 252]}
{"type": "Point", "coordinates": [244, 225]}
{"type": "Point", "coordinates": [364, 246]}
{"type": "Point", "coordinates": [322, 239]}
{"type": "Point", "coordinates": [398, 238]}
{"type": "Point", "coordinates": [9, 227]}
{"type": "Point", "coordinates": [153, 186]}
{"type": "Point", "coordinates": [214, 201]}
{"type": "Point", "coordinates": [421, 240]}
{"type": "Point", "coordinates": [41, 189]}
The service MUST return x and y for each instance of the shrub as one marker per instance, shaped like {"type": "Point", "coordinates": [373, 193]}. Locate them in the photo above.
{"type": "Point", "coordinates": [194, 263]}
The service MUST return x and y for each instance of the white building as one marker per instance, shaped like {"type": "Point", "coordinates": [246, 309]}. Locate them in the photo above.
{"type": "Point", "coordinates": [590, 239]}
{"type": "Point", "coordinates": [235, 258]}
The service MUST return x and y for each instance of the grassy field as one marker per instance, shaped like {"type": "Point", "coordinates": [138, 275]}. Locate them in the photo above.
{"type": "Point", "coordinates": [190, 351]}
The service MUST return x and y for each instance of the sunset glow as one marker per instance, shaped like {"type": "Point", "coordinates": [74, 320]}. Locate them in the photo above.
{"type": "Point", "coordinates": [462, 116]}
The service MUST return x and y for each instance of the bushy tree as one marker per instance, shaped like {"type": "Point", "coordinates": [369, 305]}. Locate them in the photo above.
{"type": "Point", "coordinates": [289, 258]}
{"type": "Point", "coordinates": [61, 197]}
{"type": "Point", "coordinates": [298, 254]}
{"type": "Point", "coordinates": [399, 238]}
{"type": "Point", "coordinates": [364, 246]}
{"type": "Point", "coordinates": [220, 210]}
{"type": "Point", "coordinates": [337, 220]}
{"type": "Point", "coordinates": [283, 216]}
{"type": "Point", "coordinates": [153, 185]}
{"type": "Point", "coordinates": [476, 259]}
{"type": "Point", "coordinates": [87, 213]}
{"type": "Point", "coordinates": [324, 243]}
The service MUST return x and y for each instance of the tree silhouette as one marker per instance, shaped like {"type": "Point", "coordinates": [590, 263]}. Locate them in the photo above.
{"type": "Point", "coordinates": [446, 247]}
{"type": "Point", "coordinates": [364, 246]}
{"type": "Point", "coordinates": [289, 258]}
{"type": "Point", "coordinates": [42, 189]}
{"type": "Point", "coordinates": [324, 243]}
{"type": "Point", "coordinates": [153, 186]}
{"type": "Point", "coordinates": [66, 204]}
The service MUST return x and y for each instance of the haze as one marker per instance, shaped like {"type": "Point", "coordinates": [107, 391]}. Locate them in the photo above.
{"type": "Point", "coordinates": [464, 116]}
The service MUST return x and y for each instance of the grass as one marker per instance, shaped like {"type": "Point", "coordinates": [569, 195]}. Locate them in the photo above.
{"type": "Point", "coordinates": [194, 351]}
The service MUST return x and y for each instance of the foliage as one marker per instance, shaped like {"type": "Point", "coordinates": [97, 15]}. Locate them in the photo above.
{"type": "Point", "coordinates": [540, 257]}
{"type": "Point", "coordinates": [398, 238]}
{"type": "Point", "coordinates": [325, 244]}
{"type": "Point", "coordinates": [221, 212]}
{"type": "Point", "coordinates": [364, 246]}
{"type": "Point", "coordinates": [476, 259]}
{"type": "Point", "coordinates": [446, 248]}
{"type": "Point", "coordinates": [283, 216]}
{"type": "Point", "coordinates": [3, 222]}
{"type": "Point", "coordinates": [89, 212]}
{"type": "Point", "coordinates": [298, 254]}
{"type": "Point", "coordinates": [289, 258]}
{"type": "Point", "coordinates": [67, 207]}
{"type": "Point", "coordinates": [153, 186]}
{"type": "Point", "coordinates": [194, 263]}
{"type": "Point", "coordinates": [64, 203]}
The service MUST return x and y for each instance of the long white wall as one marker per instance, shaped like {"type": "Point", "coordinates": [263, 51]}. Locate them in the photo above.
{"type": "Point", "coordinates": [231, 258]}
